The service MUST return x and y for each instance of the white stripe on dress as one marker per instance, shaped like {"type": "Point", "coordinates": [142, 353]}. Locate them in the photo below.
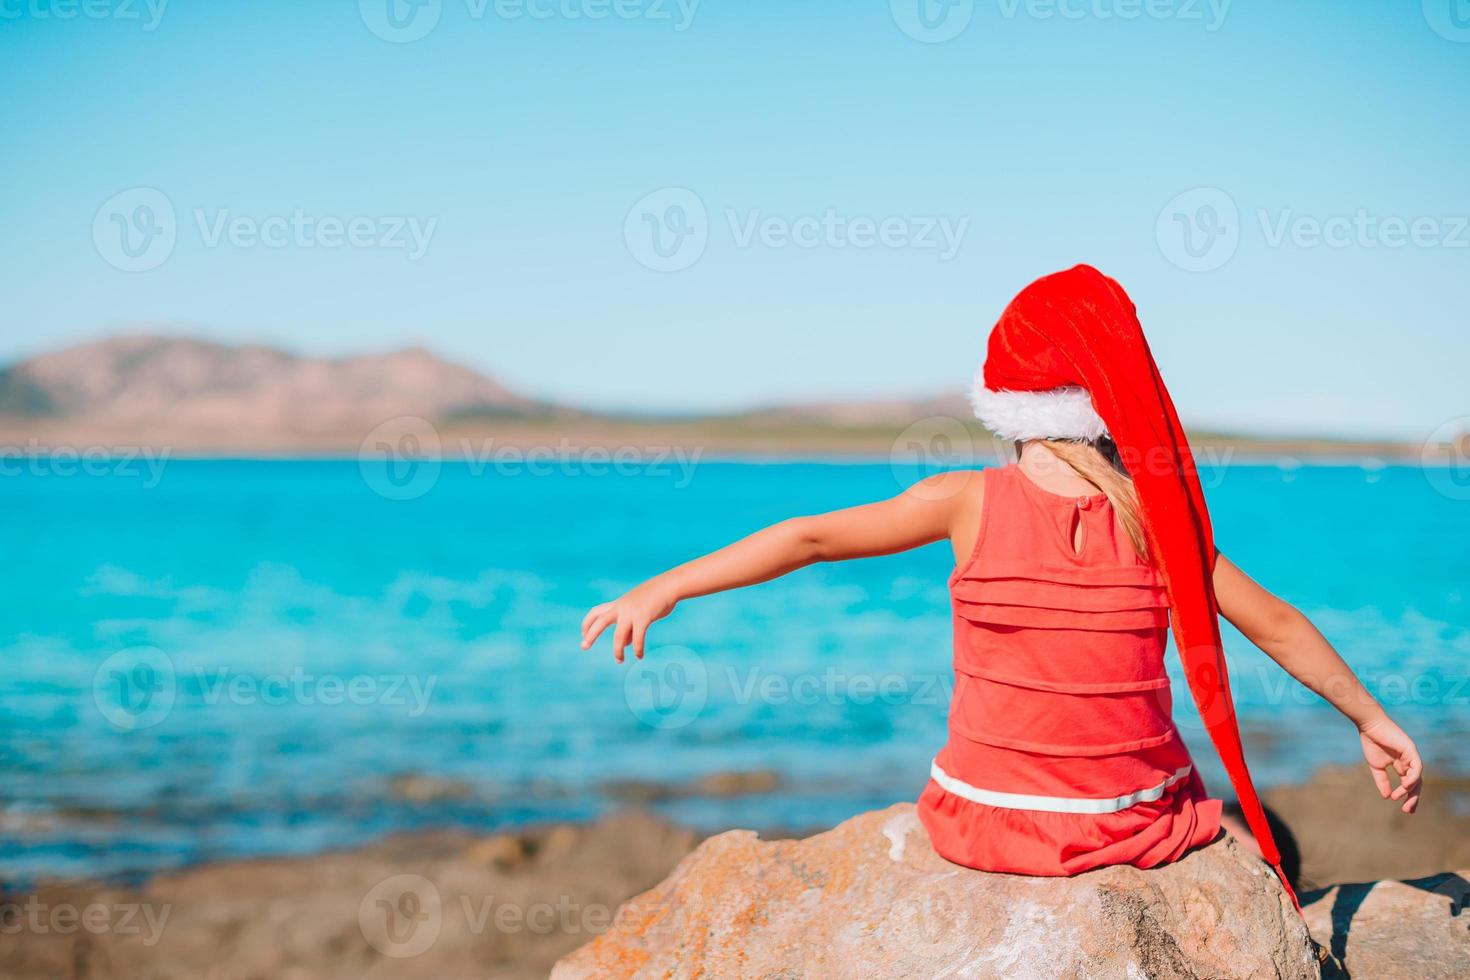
{"type": "Point", "coordinates": [1052, 804]}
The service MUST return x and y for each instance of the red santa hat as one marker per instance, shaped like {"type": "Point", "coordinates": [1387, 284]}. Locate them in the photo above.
{"type": "Point", "coordinates": [1068, 360]}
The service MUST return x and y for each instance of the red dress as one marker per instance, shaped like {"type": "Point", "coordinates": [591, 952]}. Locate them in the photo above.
{"type": "Point", "coordinates": [1062, 752]}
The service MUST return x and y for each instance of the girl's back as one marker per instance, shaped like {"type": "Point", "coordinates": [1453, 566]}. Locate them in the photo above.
{"type": "Point", "coordinates": [1062, 753]}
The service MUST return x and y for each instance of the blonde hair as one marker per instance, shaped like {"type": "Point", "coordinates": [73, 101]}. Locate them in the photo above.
{"type": "Point", "coordinates": [1105, 471]}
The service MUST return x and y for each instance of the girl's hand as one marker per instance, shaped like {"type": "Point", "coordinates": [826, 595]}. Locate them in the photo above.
{"type": "Point", "coordinates": [632, 614]}
{"type": "Point", "coordinates": [1384, 745]}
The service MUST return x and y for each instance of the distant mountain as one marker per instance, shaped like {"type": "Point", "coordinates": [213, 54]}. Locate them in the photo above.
{"type": "Point", "coordinates": [145, 383]}
{"type": "Point", "coordinates": [199, 397]}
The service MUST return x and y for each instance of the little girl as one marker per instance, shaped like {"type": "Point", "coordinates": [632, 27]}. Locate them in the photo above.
{"type": "Point", "coordinates": [1071, 565]}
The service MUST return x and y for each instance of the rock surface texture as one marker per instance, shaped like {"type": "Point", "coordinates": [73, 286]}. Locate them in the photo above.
{"type": "Point", "coordinates": [1418, 928]}
{"type": "Point", "coordinates": [870, 898]}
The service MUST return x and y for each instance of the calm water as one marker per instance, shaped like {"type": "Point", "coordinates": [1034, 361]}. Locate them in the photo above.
{"type": "Point", "coordinates": [242, 657]}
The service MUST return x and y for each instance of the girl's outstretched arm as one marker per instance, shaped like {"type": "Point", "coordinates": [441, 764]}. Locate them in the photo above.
{"type": "Point", "coordinates": [920, 515]}
{"type": "Point", "coordinates": [1290, 639]}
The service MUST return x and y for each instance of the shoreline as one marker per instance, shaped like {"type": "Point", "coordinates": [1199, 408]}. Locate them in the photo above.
{"type": "Point", "coordinates": [1330, 804]}
{"type": "Point", "coordinates": [938, 438]}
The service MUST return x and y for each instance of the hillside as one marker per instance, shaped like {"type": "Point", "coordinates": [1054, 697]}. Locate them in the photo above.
{"type": "Point", "coordinates": [199, 397]}
{"type": "Point", "coordinates": [149, 387]}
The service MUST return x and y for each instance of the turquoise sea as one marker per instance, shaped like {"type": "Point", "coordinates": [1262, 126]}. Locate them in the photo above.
{"type": "Point", "coordinates": [232, 658]}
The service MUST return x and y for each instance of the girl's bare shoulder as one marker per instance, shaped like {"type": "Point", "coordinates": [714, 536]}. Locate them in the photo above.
{"type": "Point", "coordinates": [960, 491]}
{"type": "Point", "coordinates": [951, 483]}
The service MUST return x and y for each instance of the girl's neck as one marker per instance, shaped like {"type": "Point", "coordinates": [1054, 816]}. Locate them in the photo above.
{"type": "Point", "coordinates": [1051, 473]}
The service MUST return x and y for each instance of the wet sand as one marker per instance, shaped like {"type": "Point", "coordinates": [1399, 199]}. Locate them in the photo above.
{"type": "Point", "coordinates": [427, 905]}
{"type": "Point", "coordinates": [1348, 834]}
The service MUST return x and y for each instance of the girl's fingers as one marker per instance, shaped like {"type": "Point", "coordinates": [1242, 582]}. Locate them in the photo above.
{"type": "Point", "coordinates": [588, 619]}
{"type": "Point", "coordinates": [628, 632]}
{"type": "Point", "coordinates": [1414, 771]}
{"type": "Point", "coordinates": [620, 639]}
{"type": "Point", "coordinates": [1411, 795]}
{"type": "Point", "coordinates": [1411, 771]}
{"type": "Point", "coordinates": [598, 625]}
{"type": "Point", "coordinates": [592, 614]}
{"type": "Point", "coordinates": [1380, 779]}
{"type": "Point", "coordinates": [1412, 783]}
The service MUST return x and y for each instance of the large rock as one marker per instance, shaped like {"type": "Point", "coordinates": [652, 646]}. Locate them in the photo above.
{"type": "Point", "coordinates": [1418, 928]}
{"type": "Point", "coordinates": [870, 898]}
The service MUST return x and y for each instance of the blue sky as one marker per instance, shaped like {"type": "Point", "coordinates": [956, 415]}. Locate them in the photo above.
{"type": "Point", "coordinates": [1280, 186]}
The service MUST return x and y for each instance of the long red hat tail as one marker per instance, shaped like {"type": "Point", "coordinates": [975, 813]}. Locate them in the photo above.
{"type": "Point", "coordinates": [1078, 328]}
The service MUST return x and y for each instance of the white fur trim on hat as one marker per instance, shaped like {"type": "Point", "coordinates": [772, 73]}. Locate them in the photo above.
{"type": "Point", "coordinates": [1062, 413]}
